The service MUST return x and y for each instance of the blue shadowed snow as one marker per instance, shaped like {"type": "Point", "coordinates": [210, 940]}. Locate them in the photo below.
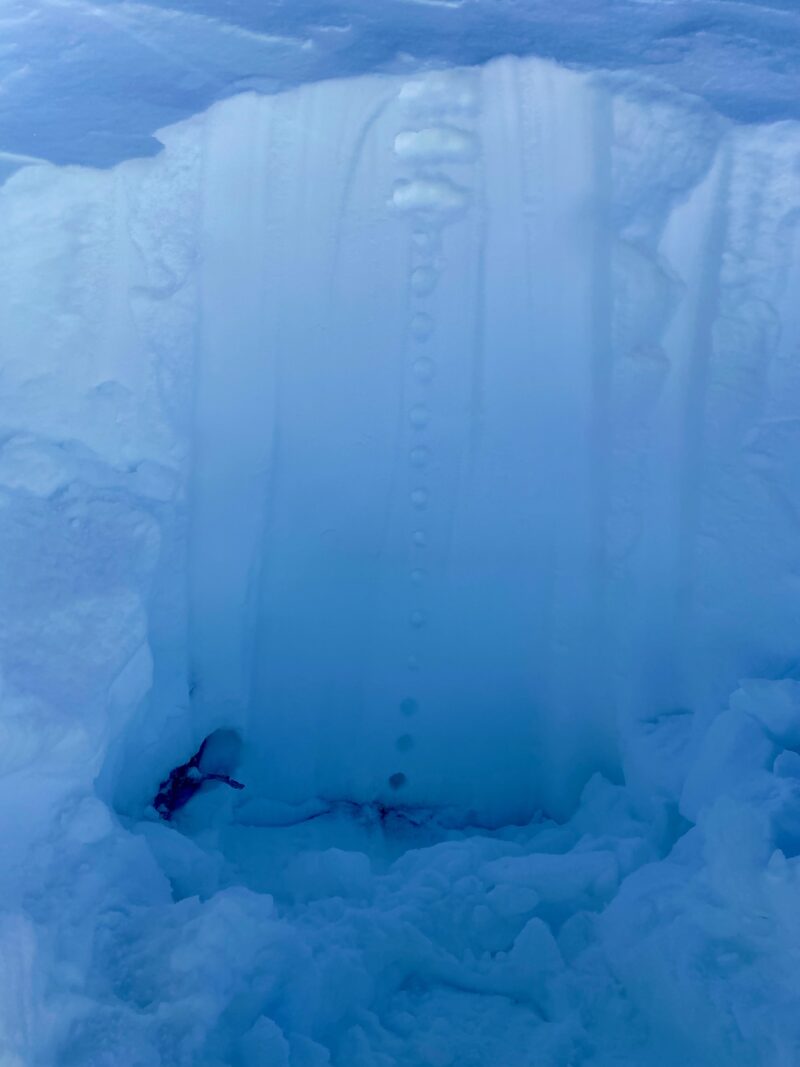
{"type": "Point", "coordinates": [90, 83]}
{"type": "Point", "coordinates": [419, 419]}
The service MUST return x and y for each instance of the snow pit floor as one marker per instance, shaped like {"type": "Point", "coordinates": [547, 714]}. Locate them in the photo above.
{"type": "Point", "coordinates": [648, 930]}
{"type": "Point", "coordinates": [368, 939]}
{"type": "Point", "coordinates": [259, 935]}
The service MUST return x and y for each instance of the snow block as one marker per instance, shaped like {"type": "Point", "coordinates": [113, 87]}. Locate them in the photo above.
{"type": "Point", "coordinates": [733, 752]}
{"type": "Point", "coordinates": [775, 704]}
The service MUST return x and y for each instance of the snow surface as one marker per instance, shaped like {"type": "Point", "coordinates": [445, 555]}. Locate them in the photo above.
{"type": "Point", "coordinates": [89, 82]}
{"type": "Point", "coordinates": [435, 426]}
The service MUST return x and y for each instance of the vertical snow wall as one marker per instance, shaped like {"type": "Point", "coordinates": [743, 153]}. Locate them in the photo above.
{"type": "Point", "coordinates": [434, 430]}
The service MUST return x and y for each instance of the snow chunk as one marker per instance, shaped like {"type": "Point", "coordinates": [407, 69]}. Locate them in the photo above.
{"type": "Point", "coordinates": [90, 822]}
{"type": "Point", "coordinates": [775, 704]}
{"type": "Point", "coordinates": [264, 1044]}
{"type": "Point", "coordinates": [33, 466]}
{"type": "Point", "coordinates": [436, 198]}
{"type": "Point", "coordinates": [734, 750]}
{"type": "Point", "coordinates": [334, 872]}
{"type": "Point", "coordinates": [511, 900]}
{"type": "Point", "coordinates": [571, 878]}
{"type": "Point", "coordinates": [435, 144]}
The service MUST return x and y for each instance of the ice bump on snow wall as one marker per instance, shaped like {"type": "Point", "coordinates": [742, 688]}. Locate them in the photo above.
{"type": "Point", "coordinates": [433, 430]}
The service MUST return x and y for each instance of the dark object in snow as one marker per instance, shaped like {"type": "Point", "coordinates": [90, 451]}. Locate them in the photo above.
{"type": "Point", "coordinates": [217, 754]}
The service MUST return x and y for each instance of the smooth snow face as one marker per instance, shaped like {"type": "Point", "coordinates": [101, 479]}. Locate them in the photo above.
{"type": "Point", "coordinates": [464, 406]}
{"type": "Point", "coordinates": [451, 511]}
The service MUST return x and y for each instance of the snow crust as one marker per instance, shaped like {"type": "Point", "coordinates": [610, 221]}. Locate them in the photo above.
{"type": "Point", "coordinates": [438, 431]}
{"type": "Point", "coordinates": [90, 82]}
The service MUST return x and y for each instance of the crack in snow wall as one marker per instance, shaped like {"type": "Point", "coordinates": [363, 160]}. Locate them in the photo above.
{"type": "Point", "coordinates": [439, 428]}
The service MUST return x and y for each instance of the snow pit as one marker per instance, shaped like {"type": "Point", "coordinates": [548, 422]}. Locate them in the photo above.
{"type": "Point", "coordinates": [508, 630]}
